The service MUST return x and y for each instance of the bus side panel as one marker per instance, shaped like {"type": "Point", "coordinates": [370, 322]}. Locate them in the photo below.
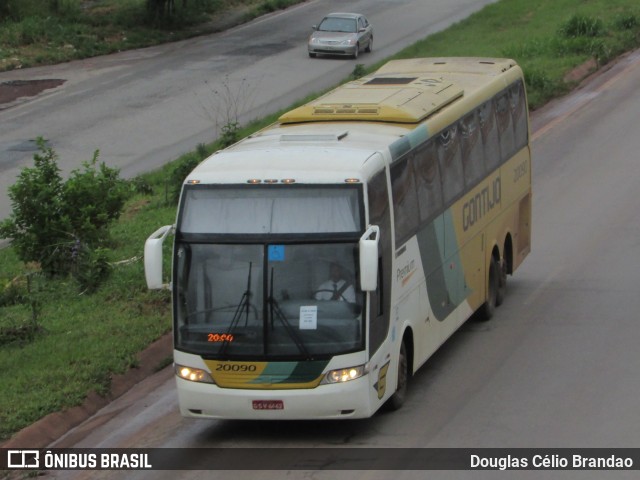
{"type": "Point", "coordinates": [417, 300]}
{"type": "Point", "coordinates": [484, 218]}
{"type": "Point", "coordinates": [445, 289]}
{"type": "Point", "coordinates": [516, 174]}
{"type": "Point", "coordinates": [473, 220]}
{"type": "Point", "coordinates": [458, 268]}
{"type": "Point", "coordinates": [516, 205]}
{"type": "Point", "coordinates": [474, 279]}
{"type": "Point", "coordinates": [523, 242]}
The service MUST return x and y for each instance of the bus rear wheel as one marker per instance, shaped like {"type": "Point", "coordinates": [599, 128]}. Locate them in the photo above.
{"type": "Point", "coordinates": [502, 282]}
{"type": "Point", "coordinates": [488, 309]}
{"type": "Point", "coordinates": [399, 396]}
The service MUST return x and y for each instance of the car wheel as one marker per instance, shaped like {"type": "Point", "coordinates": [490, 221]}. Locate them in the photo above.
{"type": "Point", "coordinates": [312, 55]}
{"type": "Point", "coordinates": [369, 48]}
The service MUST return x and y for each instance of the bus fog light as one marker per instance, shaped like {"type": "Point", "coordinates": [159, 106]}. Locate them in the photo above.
{"type": "Point", "coordinates": [193, 374]}
{"type": "Point", "coordinates": [344, 374]}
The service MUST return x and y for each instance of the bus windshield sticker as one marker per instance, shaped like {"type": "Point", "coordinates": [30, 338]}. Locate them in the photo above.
{"type": "Point", "coordinates": [308, 317]}
{"type": "Point", "coordinates": [276, 253]}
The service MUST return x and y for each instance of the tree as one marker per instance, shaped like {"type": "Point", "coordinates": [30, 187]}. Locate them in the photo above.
{"type": "Point", "coordinates": [63, 225]}
{"type": "Point", "coordinates": [37, 225]}
{"type": "Point", "coordinates": [92, 199]}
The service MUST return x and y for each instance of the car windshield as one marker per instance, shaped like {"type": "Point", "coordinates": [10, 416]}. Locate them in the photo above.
{"type": "Point", "coordinates": [337, 24]}
{"type": "Point", "coordinates": [267, 300]}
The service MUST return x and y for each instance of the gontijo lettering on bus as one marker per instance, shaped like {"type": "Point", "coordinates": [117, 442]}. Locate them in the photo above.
{"type": "Point", "coordinates": [481, 204]}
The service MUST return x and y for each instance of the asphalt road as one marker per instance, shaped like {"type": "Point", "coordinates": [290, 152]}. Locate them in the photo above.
{"type": "Point", "coordinates": [556, 367]}
{"type": "Point", "coordinates": [144, 108]}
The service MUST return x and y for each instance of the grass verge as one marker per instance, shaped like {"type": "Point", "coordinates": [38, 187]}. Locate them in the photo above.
{"type": "Point", "coordinates": [57, 345]}
{"type": "Point", "coordinates": [39, 32]}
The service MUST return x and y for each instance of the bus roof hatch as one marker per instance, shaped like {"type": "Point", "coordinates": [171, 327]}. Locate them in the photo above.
{"type": "Point", "coordinates": [381, 98]}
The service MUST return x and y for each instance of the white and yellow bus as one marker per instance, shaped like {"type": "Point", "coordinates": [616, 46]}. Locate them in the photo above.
{"type": "Point", "coordinates": [410, 187]}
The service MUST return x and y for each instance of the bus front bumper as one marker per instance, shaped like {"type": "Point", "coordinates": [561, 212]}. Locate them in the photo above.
{"type": "Point", "coordinates": [335, 401]}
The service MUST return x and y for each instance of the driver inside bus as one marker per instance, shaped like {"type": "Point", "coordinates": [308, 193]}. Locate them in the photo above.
{"type": "Point", "coordinates": [337, 288]}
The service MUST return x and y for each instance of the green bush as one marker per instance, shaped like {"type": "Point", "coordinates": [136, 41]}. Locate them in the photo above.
{"type": "Point", "coordinates": [63, 226]}
{"type": "Point", "coordinates": [93, 198]}
{"type": "Point", "coordinates": [13, 292]}
{"type": "Point", "coordinates": [141, 185]}
{"type": "Point", "coordinates": [582, 26]}
{"type": "Point", "coordinates": [174, 13]}
{"type": "Point", "coordinates": [91, 268]}
{"type": "Point", "coordinates": [269, 6]}
{"type": "Point", "coordinates": [230, 134]}
{"type": "Point", "coordinates": [66, 8]}
{"type": "Point", "coordinates": [540, 86]}
{"type": "Point", "coordinates": [181, 169]}
{"type": "Point", "coordinates": [627, 21]}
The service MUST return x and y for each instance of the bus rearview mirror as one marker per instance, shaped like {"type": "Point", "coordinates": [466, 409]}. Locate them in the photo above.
{"type": "Point", "coordinates": [153, 258]}
{"type": "Point", "coordinates": [369, 259]}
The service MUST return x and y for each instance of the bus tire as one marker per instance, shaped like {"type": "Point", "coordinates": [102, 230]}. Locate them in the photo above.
{"type": "Point", "coordinates": [399, 396]}
{"type": "Point", "coordinates": [488, 308]}
{"type": "Point", "coordinates": [502, 282]}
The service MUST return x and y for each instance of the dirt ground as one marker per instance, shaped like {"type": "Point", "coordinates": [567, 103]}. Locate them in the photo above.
{"type": "Point", "coordinates": [15, 89]}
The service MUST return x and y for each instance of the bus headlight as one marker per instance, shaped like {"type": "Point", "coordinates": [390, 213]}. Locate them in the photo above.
{"type": "Point", "coordinates": [344, 374]}
{"type": "Point", "coordinates": [193, 374]}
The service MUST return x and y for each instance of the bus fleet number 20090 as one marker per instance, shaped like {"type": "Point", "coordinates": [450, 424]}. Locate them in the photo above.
{"type": "Point", "coordinates": [235, 367]}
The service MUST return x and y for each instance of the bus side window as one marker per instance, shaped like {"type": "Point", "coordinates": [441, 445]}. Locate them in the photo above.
{"type": "Point", "coordinates": [405, 201]}
{"type": "Point", "coordinates": [428, 186]}
{"type": "Point", "coordinates": [472, 151]}
{"type": "Point", "coordinates": [379, 214]}
{"type": "Point", "coordinates": [450, 163]}
{"type": "Point", "coordinates": [505, 126]}
{"type": "Point", "coordinates": [518, 105]}
{"type": "Point", "coordinates": [490, 140]}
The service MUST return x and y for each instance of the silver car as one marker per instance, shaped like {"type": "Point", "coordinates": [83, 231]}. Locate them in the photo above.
{"type": "Point", "coordinates": [341, 34]}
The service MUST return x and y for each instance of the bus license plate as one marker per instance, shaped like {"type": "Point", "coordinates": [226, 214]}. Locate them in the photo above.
{"type": "Point", "coordinates": [268, 405]}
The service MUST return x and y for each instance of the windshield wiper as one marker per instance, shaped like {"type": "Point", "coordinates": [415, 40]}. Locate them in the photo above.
{"type": "Point", "coordinates": [274, 308]}
{"type": "Point", "coordinates": [243, 305]}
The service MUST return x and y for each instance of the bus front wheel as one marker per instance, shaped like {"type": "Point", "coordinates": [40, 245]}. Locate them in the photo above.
{"type": "Point", "coordinates": [399, 396]}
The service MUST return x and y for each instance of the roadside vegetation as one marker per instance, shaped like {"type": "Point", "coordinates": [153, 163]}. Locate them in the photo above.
{"type": "Point", "coordinates": [41, 32]}
{"type": "Point", "coordinates": [67, 325]}
{"type": "Point", "coordinates": [547, 38]}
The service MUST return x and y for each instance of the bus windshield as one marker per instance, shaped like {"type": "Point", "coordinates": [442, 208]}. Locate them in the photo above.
{"type": "Point", "coordinates": [270, 209]}
{"type": "Point", "coordinates": [268, 300]}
